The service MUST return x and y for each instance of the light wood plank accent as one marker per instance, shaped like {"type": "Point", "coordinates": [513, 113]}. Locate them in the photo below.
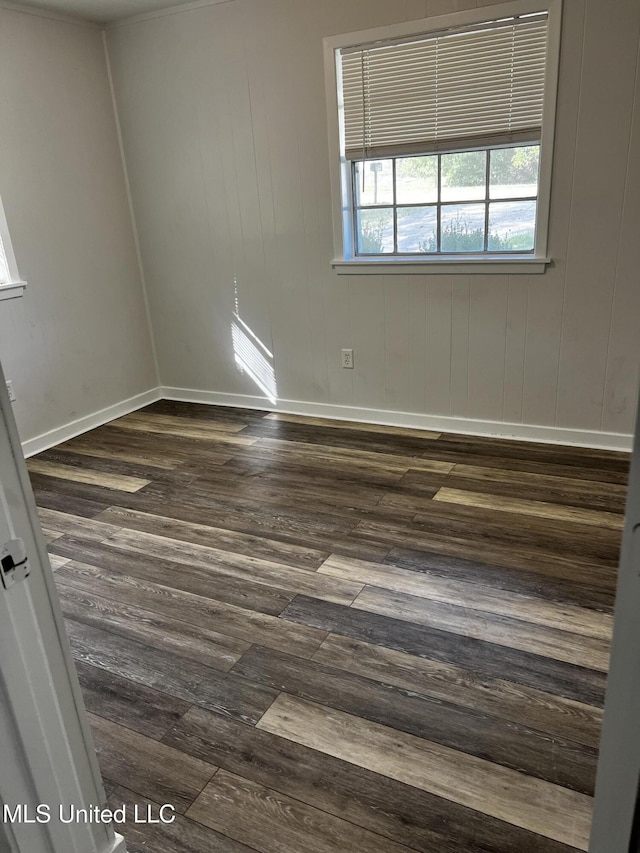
{"type": "Point", "coordinates": [537, 639]}
{"type": "Point", "coordinates": [57, 562]}
{"type": "Point", "coordinates": [476, 596]}
{"type": "Point", "coordinates": [356, 426]}
{"type": "Point", "coordinates": [541, 509]}
{"type": "Point", "coordinates": [532, 804]}
{"type": "Point", "coordinates": [120, 482]}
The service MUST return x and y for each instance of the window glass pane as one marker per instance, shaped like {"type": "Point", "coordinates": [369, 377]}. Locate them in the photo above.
{"type": "Point", "coordinates": [416, 180]}
{"type": "Point", "coordinates": [375, 231]}
{"type": "Point", "coordinates": [512, 226]}
{"type": "Point", "coordinates": [514, 172]}
{"type": "Point", "coordinates": [417, 229]}
{"type": "Point", "coordinates": [374, 182]}
{"type": "Point", "coordinates": [464, 176]}
{"type": "Point", "coordinates": [462, 228]}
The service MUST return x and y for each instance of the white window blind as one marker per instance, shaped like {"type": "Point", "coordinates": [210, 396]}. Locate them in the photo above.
{"type": "Point", "coordinates": [458, 88]}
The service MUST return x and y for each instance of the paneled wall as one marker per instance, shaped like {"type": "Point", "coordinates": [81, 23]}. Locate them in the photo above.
{"type": "Point", "coordinates": [78, 341]}
{"type": "Point", "coordinates": [224, 122]}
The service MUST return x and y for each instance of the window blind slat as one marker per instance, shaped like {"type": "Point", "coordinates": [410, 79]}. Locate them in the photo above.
{"type": "Point", "coordinates": [444, 88]}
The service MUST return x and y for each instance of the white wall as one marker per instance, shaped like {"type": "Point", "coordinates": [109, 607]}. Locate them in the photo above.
{"type": "Point", "coordinates": [224, 122]}
{"type": "Point", "coordinates": [78, 341]}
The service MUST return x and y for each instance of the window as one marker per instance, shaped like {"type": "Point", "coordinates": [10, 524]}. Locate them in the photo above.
{"type": "Point", "coordinates": [10, 284]}
{"type": "Point", "coordinates": [444, 138]}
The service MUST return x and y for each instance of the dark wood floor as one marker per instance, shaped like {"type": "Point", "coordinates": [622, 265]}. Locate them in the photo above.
{"type": "Point", "coordinates": [311, 636]}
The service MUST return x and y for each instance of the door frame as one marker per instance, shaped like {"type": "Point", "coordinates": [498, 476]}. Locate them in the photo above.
{"type": "Point", "coordinates": [46, 749]}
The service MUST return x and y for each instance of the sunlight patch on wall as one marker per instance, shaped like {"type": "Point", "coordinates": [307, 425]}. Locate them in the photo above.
{"type": "Point", "coordinates": [253, 358]}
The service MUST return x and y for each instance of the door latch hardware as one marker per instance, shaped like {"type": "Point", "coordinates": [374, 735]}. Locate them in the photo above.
{"type": "Point", "coordinates": [14, 565]}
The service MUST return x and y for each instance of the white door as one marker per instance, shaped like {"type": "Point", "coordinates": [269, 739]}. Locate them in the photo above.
{"type": "Point", "coordinates": [616, 819]}
{"type": "Point", "coordinates": [47, 757]}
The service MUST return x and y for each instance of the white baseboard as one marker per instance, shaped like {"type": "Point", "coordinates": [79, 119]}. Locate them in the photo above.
{"type": "Point", "coordinates": [96, 419]}
{"type": "Point", "coordinates": [440, 423]}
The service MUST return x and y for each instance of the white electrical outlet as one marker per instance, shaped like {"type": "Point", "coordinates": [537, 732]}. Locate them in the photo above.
{"type": "Point", "coordinates": [11, 392]}
{"type": "Point", "coordinates": [347, 358]}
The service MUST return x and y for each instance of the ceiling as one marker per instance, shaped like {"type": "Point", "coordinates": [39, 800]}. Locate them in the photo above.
{"type": "Point", "coordinates": [104, 11]}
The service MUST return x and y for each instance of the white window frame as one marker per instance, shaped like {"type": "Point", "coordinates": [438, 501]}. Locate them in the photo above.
{"type": "Point", "coordinates": [15, 286]}
{"type": "Point", "coordinates": [345, 260]}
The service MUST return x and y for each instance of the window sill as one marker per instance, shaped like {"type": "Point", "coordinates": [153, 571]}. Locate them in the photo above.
{"type": "Point", "coordinates": [445, 265]}
{"type": "Point", "coordinates": [12, 290]}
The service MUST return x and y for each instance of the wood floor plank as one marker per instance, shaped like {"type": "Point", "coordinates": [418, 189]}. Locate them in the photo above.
{"type": "Point", "coordinates": [64, 501]}
{"type": "Point", "coordinates": [191, 609]}
{"type": "Point", "coordinates": [130, 576]}
{"type": "Point", "coordinates": [578, 649]}
{"type": "Point", "coordinates": [148, 767]}
{"type": "Point", "coordinates": [134, 706]}
{"type": "Point", "coordinates": [563, 461]}
{"type": "Point", "coordinates": [477, 596]}
{"type": "Point", "coordinates": [352, 425]}
{"type": "Point", "coordinates": [275, 517]}
{"type": "Point", "coordinates": [274, 823]}
{"type": "Point", "coordinates": [337, 455]}
{"type": "Point", "coordinates": [205, 581]}
{"type": "Point", "coordinates": [180, 452]}
{"type": "Point", "coordinates": [180, 836]}
{"type": "Point", "coordinates": [340, 439]}
{"type": "Point", "coordinates": [265, 572]}
{"type": "Point", "coordinates": [542, 509]}
{"type": "Point", "coordinates": [529, 803]}
{"type": "Point", "coordinates": [493, 447]}
{"type": "Point", "coordinates": [76, 525]}
{"type": "Point", "coordinates": [202, 433]}
{"type": "Point", "coordinates": [537, 709]}
{"type": "Point", "coordinates": [457, 540]}
{"type": "Point", "coordinates": [570, 490]}
{"type": "Point", "coordinates": [196, 643]}
{"type": "Point", "coordinates": [85, 475]}
{"type": "Point", "coordinates": [92, 450]}
{"type": "Point", "coordinates": [533, 535]}
{"type": "Point", "coordinates": [503, 576]}
{"type": "Point", "coordinates": [218, 691]}
{"type": "Point", "coordinates": [50, 535]}
{"type": "Point", "coordinates": [506, 743]}
{"type": "Point", "coordinates": [215, 537]}
{"type": "Point", "coordinates": [175, 477]}
{"type": "Point", "coordinates": [155, 418]}
{"type": "Point", "coordinates": [400, 812]}
{"type": "Point", "coordinates": [563, 679]}
{"type": "Point", "coordinates": [233, 584]}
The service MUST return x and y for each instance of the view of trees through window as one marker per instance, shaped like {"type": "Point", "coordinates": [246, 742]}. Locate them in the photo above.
{"type": "Point", "coordinates": [468, 201]}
